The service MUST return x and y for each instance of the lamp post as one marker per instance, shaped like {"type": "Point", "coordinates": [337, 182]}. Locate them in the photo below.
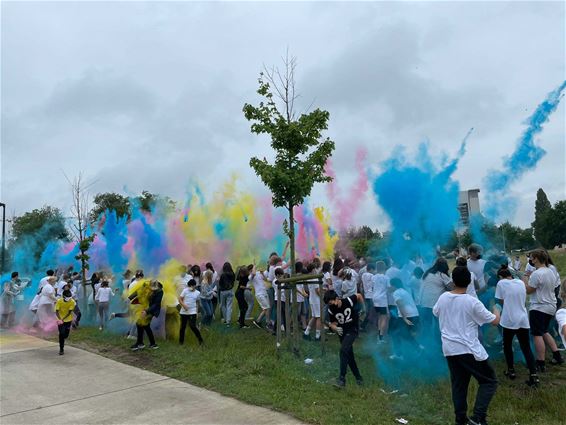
{"type": "Point", "coordinates": [3, 205]}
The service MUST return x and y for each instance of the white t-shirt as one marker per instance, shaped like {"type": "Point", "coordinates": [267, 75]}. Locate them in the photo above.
{"type": "Point", "coordinates": [459, 316]}
{"type": "Point", "coordinates": [259, 284]}
{"type": "Point", "coordinates": [471, 289]}
{"type": "Point", "coordinates": [314, 298]}
{"type": "Point", "coordinates": [415, 287]}
{"type": "Point", "coordinates": [300, 298]}
{"type": "Point", "coordinates": [43, 282]}
{"type": "Point", "coordinates": [434, 285]}
{"type": "Point", "coordinates": [348, 288]}
{"type": "Point", "coordinates": [405, 303]}
{"type": "Point", "coordinates": [327, 276]}
{"type": "Point", "coordinates": [477, 266]}
{"type": "Point", "coordinates": [190, 299]}
{"type": "Point", "coordinates": [367, 282]}
{"type": "Point", "coordinates": [561, 319]}
{"type": "Point", "coordinates": [543, 299]}
{"type": "Point", "coordinates": [529, 268]}
{"type": "Point", "coordinates": [283, 296]}
{"type": "Point", "coordinates": [514, 296]}
{"type": "Point", "coordinates": [103, 295]}
{"type": "Point", "coordinates": [380, 286]}
{"type": "Point", "coordinates": [47, 295]}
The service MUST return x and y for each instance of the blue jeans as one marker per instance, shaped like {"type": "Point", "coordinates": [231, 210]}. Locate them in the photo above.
{"type": "Point", "coordinates": [206, 311]}
{"type": "Point", "coordinates": [226, 300]}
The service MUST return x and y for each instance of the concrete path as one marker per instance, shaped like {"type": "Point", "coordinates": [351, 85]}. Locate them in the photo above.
{"type": "Point", "coordinates": [37, 386]}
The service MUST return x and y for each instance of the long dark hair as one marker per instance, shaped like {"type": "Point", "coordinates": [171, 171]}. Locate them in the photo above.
{"type": "Point", "coordinates": [227, 268]}
{"type": "Point", "coordinates": [439, 266]}
{"type": "Point", "coordinates": [338, 265]}
{"type": "Point", "coordinates": [326, 267]}
{"type": "Point", "coordinates": [208, 266]}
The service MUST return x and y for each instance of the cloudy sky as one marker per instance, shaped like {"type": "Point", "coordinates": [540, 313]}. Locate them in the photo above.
{"type": "Point", "coordinates": [149, 96]}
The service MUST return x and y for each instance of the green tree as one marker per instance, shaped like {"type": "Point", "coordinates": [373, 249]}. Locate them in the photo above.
{"type": "Point", "coordinates": [147, 201]}
{"type": "Point", "coordinates": [37, 228]}
{"type": "Point", "coordinates": [556, 224]}
{"type": "Point", "coordinates": [301, 151]}
{"type": "Point", "coordinates": [32, 222]}
{"type": "Point", "coordinates": [109, 201]}
{"type": "Point", "coordinates": [542, 208]}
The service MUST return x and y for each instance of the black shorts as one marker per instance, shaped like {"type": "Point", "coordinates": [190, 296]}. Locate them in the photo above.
{"type": "Point", "coordinates": [381, 310]}
{"type": "Point", "coordinates": [539, 322]}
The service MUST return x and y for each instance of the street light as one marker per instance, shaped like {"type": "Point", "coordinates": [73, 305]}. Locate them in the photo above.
{"type": "Point", "coordinates": [3, 205]}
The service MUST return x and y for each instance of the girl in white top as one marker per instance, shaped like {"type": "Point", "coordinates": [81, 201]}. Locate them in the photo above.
{"type": "Point", "coordinates": [476, 264]}
{"type": "Point", "coordinates": [102, 297]}
{"type": "Point", "coordinates": [258, 282]}
{"type": "Point", "coordinates": [511, 293]}
{"type": "Point", "coordinates": [46, 305]}
{"type": "Point", "coordinates": [314, 304]}
{"type": "Point", "coordinates": [189, 300]}
{"type": "Point", "coordinates": [348, 284]}
{"type": "Point", "coordinates": [380, 287]}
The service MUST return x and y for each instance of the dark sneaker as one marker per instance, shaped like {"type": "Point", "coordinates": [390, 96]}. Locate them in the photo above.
{"type": "Point", "coordinates": [541, 366]}
{"type": "Point", "coordinates": [340, 383]}
{"type": "Point", "coordinates": [137, 347]}
{"type": "Point", "coordinates": [557, 359]}
{"type": "Point", "coordinates": [154, 346]}
{"type": "Point", "coordinates": [510, 374]}
{"type": "Point", "coordinates": [360, 381]}
{"type": "Point", "coordinates": [533, 381]}
{"type": "Point", "coordinates": [473, 421]}
{"type": "Point", "coordinates": [317, 339]}
{"type": "Point", "coordinates": [61, 352]}
{"type": "Point", "coordinates": [306, 337]}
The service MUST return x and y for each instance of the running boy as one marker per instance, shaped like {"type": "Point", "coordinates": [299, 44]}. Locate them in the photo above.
{"type": "Point", "coordinates": [64, 310]}
{"type": "Point", "coordinates": [344, 317]}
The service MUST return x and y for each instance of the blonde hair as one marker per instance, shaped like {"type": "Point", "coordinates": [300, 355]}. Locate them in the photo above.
{"type": "Point", "coordinates": [207, 276]}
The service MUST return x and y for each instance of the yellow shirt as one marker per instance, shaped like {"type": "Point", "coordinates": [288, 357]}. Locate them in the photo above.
{"type": "Point", "coordinates": [64, 307]}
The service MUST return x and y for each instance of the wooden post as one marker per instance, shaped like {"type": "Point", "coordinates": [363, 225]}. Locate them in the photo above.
{"type": "Point", "coordinates": [322, 332]}
{"type": "Point", "coordinates": [295, 320]}
{"type": "Point", "coordinates": [287, 317]}
{"type": "Point", "coordinates": [278, 321]}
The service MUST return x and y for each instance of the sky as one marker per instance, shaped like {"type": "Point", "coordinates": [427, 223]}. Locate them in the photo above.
{"type": "Point", "coordinates": [149, 95]}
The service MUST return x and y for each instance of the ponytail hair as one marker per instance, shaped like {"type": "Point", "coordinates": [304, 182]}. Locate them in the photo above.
{"type": "Point", "coordinates": [504, 272]}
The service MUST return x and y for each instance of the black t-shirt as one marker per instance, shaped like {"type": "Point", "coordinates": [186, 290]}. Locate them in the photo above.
{"type": "Point", "coordinates": [346, 315]}
{"type": "Point", "coordinates": [226, 282]}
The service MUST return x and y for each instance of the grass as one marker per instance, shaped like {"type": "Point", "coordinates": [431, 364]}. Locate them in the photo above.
{"type": "Point", "coordinates": [243, 364]}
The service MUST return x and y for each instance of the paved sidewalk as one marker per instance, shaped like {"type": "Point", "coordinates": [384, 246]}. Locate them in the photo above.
{"type": "Point", "coordinates": [40, 387]}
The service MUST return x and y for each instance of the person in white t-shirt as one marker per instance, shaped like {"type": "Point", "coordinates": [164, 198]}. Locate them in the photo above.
{"type": "Point", "coordinates": [314, 305]}
{"type": "Point", "coordinates": [460, 315]}
{"type": "Point", "coordinates": [189, 300]}
{"type": "Point", "coordinates": [405, 326]}
{"type": "Point", "coordinates": [102, 298]}
{"type": "Point", "coordinates": [512, 295]}
{"type": "Point", "coordinates": [476, 265]}
{"type": "Point", "coordinates": [529, 266]}
{"type": "Point", "coordinates": [367, 286]}
{"type": "Point", "coordinates": [380, 304]}
{"type": "Point", "coordinates": [561, 314]}
{"type": "Point", "coordinates": [471, 289]}
{"type": "Point", "coordinates": [46, 305]}
{"type": "Point", "coordinates": [258, 282]}
{"type": "Point", "coordinates": [517, 263]}
{"type": "Point", "coordinates": [541, 284]}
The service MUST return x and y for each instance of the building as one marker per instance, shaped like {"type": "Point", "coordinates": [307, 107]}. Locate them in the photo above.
{"type": "Point", "coordinates": [468, 205]}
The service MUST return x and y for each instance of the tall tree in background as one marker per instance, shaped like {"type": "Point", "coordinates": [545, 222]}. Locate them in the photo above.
{"type": "Point", "coordinates": [300, 150]}
{"type": "Point", "coordinates": [556, 224]}
{"type": "Point", "coordinates": [540, 226]}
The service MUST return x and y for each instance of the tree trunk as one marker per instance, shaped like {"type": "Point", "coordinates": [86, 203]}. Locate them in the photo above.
{"type": "Point", "coordinates": [292, 237]}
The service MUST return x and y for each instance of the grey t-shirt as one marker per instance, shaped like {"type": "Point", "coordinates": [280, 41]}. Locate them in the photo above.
{"type": "Point", "coordinates": [544, 300]}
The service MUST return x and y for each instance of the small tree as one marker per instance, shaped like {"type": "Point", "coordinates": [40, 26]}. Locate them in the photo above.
{"type": "Point", "coordinates": [109, 201]}
{"type": "Point", "coordinates": [79, 211]}
{"type": "Point", "coordinates": [300, 150]}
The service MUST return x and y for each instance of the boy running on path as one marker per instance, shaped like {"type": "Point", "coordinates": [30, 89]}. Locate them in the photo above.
{"type": "Point", "coordinates": [64, 310]}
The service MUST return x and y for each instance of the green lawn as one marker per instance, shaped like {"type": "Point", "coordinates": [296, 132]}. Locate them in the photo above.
{"type": "Point", "coordinates": [243, 364]}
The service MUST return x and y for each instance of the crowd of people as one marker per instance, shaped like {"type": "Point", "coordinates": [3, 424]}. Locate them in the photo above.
{"type": "Point", "coordinates": [404, 303]}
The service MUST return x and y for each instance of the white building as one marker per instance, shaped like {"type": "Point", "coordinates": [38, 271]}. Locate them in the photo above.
{"type": "Point", "coordinates": [468, 205]}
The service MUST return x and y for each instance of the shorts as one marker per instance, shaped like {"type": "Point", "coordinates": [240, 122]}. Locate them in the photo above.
{"type": "Point", "coordinates": [315, 310]}
{"type": "Point", "coordinates": [263, 301]}
{"type": "Point", "coordinates": [381, 310]}
{"type": "Point", "coordinates": [539, 322]}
